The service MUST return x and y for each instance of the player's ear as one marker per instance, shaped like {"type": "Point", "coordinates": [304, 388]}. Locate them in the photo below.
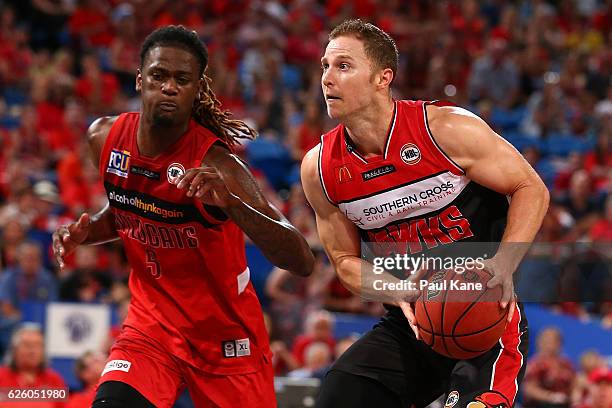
{"type": "Point", "coordinates": [385, 77]}
{"type": "Point", "coordinates": [138, 80]}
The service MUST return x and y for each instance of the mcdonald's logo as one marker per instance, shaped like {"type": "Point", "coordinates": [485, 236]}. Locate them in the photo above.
{"type": "Point", "coordinates": [343, 174]}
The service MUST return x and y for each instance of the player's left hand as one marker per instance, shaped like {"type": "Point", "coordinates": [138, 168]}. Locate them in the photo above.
{"type": "Point", "coordinates": [502, 277]}
{"type": "Point", "coordinates": [206, 183]}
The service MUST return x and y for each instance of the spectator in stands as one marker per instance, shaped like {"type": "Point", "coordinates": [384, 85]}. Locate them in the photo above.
{"type": "Point", "coordinates": [21, 206]}
{"type": "Point", "coordinates": [581, 205]}
{"type": "Point", "coordinates": [495, 76]}
{"type": "Point", "coordinates": [291, 299]}
{"type": "Point", "coordinates": [26, 366]}
{"type": "Point", "coordinates": [86, 283]}
{"type": "Point", "coordinates": [319, 327]}
{"type": "Point", "coordinates": [27, 282]}
{"type": "Point", "coordinates": [88, 369]}
{"type": "Point", "coordinates": [97, 89]}
{"type": "Point", "coordinates": [306, 135]}
{"type": "Point", "coordinates": [317, 358]}
{"type": "Point", "coordinates": [598, 162]}
{"type": "Point", "coordinates": [590, 361]}
{"type": "Point", "coordinates": [13, 235]}
{"type": "Point", "coordinates": [602, 229]}
{"type": "Point", "coordinates": [549, 375]}
{"type": "Point", "coordinates": [545, 109]}
{"type": "Point", "coordinates": [602, 388]}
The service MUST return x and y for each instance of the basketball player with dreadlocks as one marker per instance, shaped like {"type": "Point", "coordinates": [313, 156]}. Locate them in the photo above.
{"type": "Point", "coordinates": [180, 202]}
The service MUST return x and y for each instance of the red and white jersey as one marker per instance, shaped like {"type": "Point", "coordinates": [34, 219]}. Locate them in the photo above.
{"type": "Point", "coordinates": [190, 283]}
{"type": "Point", "coordinates": [412, 193]}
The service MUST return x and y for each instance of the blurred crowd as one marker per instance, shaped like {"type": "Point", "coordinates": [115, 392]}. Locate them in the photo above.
{"type": "Point", "coordinates": [539, 72]}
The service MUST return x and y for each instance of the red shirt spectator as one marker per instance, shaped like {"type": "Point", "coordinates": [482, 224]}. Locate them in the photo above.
{"type": "Point", "coordinates": [26, 368]}
{"type": "Point", "coordinates": [319, 328]}
{"type": "Point", "coordinates": [549, 376]}
{"type": "Point", "coordinates": [602, 229]}
{"type": "Point", "coordinates": [90, 22]}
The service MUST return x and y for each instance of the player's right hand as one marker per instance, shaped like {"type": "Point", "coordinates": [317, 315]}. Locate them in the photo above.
{"type": "Point", "coordinates": [67, 237]}
{"type": "Point", "coordinates": [408, 309]}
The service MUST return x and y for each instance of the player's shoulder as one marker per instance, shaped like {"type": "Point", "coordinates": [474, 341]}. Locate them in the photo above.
{"type": "Point", "coordinates": [442, 118]}
{"type": "Point", "coordinates": [99, 128]}
{"type": "Point", "coordinates": [310, 163]}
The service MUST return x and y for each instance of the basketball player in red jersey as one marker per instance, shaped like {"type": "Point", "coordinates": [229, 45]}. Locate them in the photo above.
{"type": "Point", "coordinates": [426, 175]}
{"type": "Point", "coordinates": [180, 202]}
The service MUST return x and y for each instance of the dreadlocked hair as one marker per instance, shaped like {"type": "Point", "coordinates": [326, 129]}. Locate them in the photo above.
{"type": "Point", "coordinates": [207, 112]}
{"type": "Point", "coordinates": [207, 108]}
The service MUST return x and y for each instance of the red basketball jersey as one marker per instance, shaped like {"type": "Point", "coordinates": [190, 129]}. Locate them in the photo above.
{"type": "Point", "coordinates": [413, 193]}
{"type": "Point", "coordinates": [190, 283]}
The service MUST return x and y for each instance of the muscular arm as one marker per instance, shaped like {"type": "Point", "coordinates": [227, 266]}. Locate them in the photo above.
{"type": "Point", "coordinates": [102, 224]}
{"type": "Point", "coordinates": [95, 229]}
{"type": "Point", "coordinates": [493, 163]}
{"type": "Point", "coordinates": [341, 240]}
{"type": "Point", "coordinates": [279, 241]}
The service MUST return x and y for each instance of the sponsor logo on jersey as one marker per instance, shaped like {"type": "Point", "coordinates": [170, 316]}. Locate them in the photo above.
{"type": "Point", "coordinates": [144, 206]}
{"type": "Point", "coordinates": [141, 171]}
{"type": "Point", "coordinates": [117, 365]}
{"type": "Point", "coordinates": [343, 174]}
{"type": "Point", "coordinates": [453, 398]}
{"type": "Point", "coordinates": [119, 163]}
{"type": "Point", "coordinates": [153, 208]}
{"type": "Point", "coordinates": [406, 201]}
{"type": "Point", "coordinates": [410, 153]}
{"type": "Point", "coordinates": [377, 172]}
{"type": "Point", "coordinates": [236, 348]}
{"type": "Point", "coordinates": [175, 170]}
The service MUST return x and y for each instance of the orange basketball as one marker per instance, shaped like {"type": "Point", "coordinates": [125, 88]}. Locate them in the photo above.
{"type": "Point", "coordinates": [458, 316]}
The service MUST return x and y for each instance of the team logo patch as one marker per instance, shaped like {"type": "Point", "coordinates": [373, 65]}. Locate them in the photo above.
{"type": "Point", "coordinates": [236, 348]}
{"type": "Point", "coordinates": [175, 170]}
{"type": "Point", "coordinates": [343, 174]}
{"type": "Point", "coordinates": [141, 171]}
{"type": "Point", "coordinates": [117, 365]}
{"type": "Point", "coordinates": [410, 153]}
{"type": "Point", "coordinates": [377, 172]}
{"type": "Point", "coordinates": [453, 398]}
{"type": "Point", "coordinates": [119, 163]}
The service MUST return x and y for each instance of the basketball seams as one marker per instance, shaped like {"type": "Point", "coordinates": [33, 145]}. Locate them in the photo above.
{"type": "Point", "coordinates": [430, 323]}
{"type": "Point", "coordinates": [442, 320]}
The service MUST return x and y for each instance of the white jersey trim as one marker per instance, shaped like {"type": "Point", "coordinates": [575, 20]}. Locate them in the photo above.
{"type": "Point", "coordinates": [321, 174]}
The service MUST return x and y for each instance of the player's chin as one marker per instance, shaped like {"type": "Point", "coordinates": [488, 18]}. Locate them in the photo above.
{"type": "Point", "coordinates": [333, 112]}
{"type": "Point", "coordinates": [162, 118]}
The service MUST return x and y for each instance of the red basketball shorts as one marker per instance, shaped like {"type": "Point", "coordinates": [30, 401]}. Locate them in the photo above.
{"type": "Point", "coordinates": [160, 377]}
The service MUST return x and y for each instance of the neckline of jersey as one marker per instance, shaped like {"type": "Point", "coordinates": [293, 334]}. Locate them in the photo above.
{"type": "Point", "coordinates": [351, 148]}
{"type": "Point", "coordinates": [170, 150]}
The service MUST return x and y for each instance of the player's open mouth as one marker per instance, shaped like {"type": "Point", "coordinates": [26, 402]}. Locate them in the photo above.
{"type": "Point", "coordinates": [330, 98]}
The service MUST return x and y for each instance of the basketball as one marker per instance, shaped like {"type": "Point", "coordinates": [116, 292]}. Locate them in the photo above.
{"type": "Point", "coordinates": [458, 316]}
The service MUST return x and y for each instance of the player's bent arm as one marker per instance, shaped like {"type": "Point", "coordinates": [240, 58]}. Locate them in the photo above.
{"type": "Point", "coordinates": [494, 163]}
{"type": "Point", "coordinates": [279, 241]}
{"type": "Point", "coordinates": [102, 224]}
{"type": "Point", "coordinates": [341, 241]}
